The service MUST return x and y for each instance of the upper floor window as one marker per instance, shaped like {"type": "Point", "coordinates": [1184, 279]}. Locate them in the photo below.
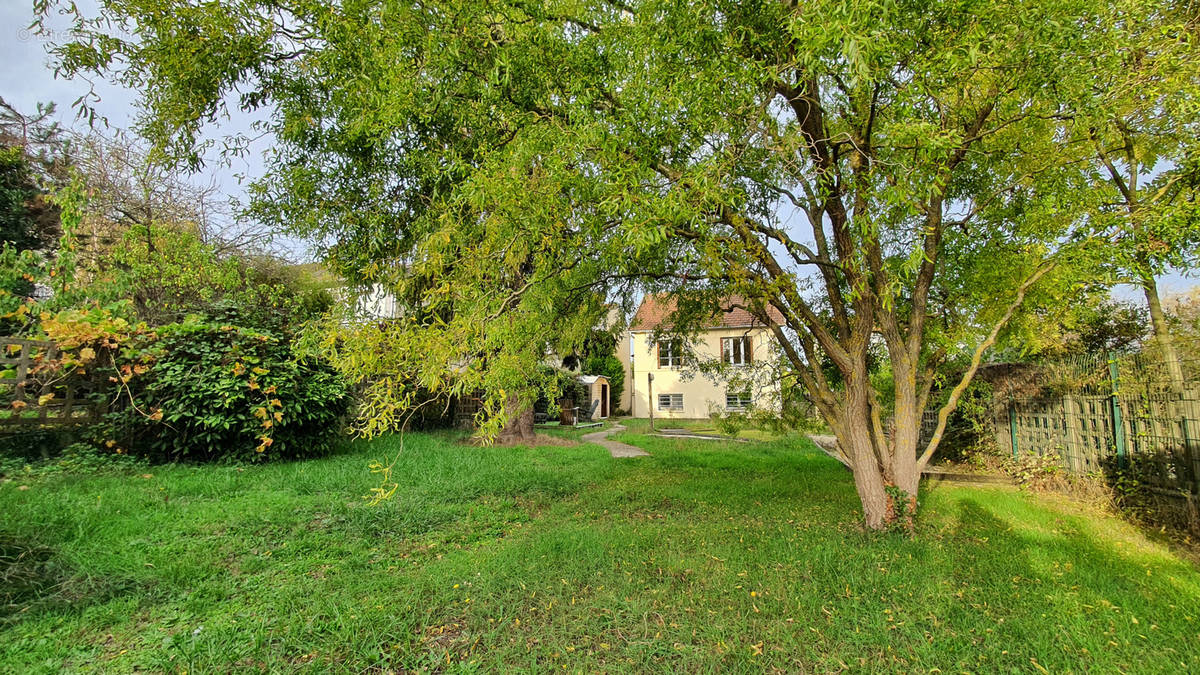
{"type": "Point", "coordinates": [736, 351]}
{"type": "Point", "coordinates": [670, 353]}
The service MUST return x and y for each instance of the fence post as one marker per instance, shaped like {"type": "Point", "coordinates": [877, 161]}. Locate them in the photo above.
{"type": "Point", "coordinates": [1190, 457]}
{"type": "Point", "coordinates": [1012, 427]}
{"type": "Point", "coordinates": [1117, 424]}
{"type": "Point", "coordinates": [650, 397]}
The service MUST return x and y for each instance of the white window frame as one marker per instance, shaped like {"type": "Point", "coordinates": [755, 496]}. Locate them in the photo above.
{"type": "Point", "coordinates": [743, 400]}
{"type": "Point", "coordinates": [737, 351]}
{"type": "Point", "coordinates": [674, 401]}
{"type": "Point", "coordinates": [674, 353]}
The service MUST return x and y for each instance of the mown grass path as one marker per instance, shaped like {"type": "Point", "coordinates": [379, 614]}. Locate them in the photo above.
{"type": "Point", "coordinates": [615, 448]}
{"type": "Point", "coordinates": [702, 557]}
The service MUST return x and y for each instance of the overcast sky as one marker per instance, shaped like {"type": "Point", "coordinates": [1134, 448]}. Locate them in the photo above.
{"type": "Point", "coordinates": [26, 79]}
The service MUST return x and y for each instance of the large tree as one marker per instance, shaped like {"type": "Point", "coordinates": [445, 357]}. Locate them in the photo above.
{"type": "Point", "coordinates": [887, 176]}
{"type": "Point", "coordinates": [1140, 121]}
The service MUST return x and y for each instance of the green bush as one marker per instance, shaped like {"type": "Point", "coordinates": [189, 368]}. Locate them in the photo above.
{"type": "Point", "coordinates": [200, 390]}
{"type": "Point", "coordinates": [969, 429]}
{"type": "Point", "coordinates": [558, 385]}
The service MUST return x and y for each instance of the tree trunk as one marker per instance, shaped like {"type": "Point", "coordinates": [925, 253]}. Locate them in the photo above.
{"type": "Point", "coordinates": [1162, 333]}
{"type": "Point", "coordinates": [906, 431]}
{"type": "Point", "coordinates": [885, 469]}
{"type": "Point", "coordinates": [855, 436]}
{"type": "Point", "coordinates": [519, 428]}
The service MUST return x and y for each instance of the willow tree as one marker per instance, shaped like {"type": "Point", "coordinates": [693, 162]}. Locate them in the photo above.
{"type": "Point", "coordinates": [884, 174]}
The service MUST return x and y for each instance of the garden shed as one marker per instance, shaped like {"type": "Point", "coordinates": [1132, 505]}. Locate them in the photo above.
{"type": "Point", "coordinates": [597, 386]}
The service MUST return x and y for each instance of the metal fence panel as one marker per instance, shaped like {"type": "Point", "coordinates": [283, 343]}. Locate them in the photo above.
{"type": "Point", "coordinates": [1098, 415]}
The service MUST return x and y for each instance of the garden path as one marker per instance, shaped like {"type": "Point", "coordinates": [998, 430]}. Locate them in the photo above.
{"type": "Point", "coordinates": [615, 448]}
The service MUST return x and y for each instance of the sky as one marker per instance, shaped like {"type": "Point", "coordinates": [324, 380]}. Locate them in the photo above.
{"type": "Point", "coordinates": [26, 79]}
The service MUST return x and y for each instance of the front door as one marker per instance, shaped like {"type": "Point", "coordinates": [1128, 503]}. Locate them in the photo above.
{"type": "Point", "coordinates": [604, 400]}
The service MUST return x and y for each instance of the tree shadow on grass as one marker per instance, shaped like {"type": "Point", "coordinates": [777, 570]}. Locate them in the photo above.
{"type": "Point", "coordinates": [1057, 590]}
{"type": "Point", "coordinates": [34, 577]}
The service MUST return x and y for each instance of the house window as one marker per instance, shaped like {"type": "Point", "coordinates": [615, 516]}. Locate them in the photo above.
{"type": "Point", "coordinates": [670, 401]}
{"type": "Point", "coordinates": [737, 400]}
{"type": "Point", "coordinates": [670, 353]}
{"type": "Point", "coordinates": [736, 351]}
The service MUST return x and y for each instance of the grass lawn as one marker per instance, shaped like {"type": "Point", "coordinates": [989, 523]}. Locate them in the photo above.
{"type": "Point", "coordinates": [704, 427]}
{"type": "Point", "coordinates": [706, 556]}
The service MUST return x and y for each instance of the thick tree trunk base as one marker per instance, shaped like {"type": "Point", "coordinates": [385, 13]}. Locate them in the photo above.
{"type": "Point", "coordinates": [520, 425]}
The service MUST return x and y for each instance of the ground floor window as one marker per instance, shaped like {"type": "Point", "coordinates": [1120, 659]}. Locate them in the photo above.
{"type": "Point", "coordinates": [670, 401]}
{"type": "Point", "coordinates": [737, 400]}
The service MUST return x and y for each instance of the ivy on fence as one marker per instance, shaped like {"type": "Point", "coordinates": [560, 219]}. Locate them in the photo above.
{"type": "Point", "coordinates": [35, 391]}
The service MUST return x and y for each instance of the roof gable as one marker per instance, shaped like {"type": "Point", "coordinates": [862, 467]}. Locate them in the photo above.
{"type": "Point", "coordinates": [655, 312]}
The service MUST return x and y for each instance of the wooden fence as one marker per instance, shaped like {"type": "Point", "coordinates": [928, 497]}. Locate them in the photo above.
{"type": "Point", "coordinates": [35, 393]}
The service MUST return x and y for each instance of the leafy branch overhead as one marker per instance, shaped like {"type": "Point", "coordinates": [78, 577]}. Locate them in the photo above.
{"type": "Point", "coordinates": [911, 175]}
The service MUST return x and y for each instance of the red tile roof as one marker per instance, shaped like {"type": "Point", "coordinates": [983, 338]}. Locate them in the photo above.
{"type": "Point", "coordinates": [655, 312]}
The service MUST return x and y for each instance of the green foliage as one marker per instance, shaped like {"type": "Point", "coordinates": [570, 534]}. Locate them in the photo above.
{"type": "Point", "coordinates": [559, 385]}
{"type": "Point", "coordinates": [31, 161]}
{"type": "Point", "coordinates": [201, 391]}
{"type": "Point", "coordinates": [168, 274]}
{"type": "Point", "coordinates": [62, 458]}
{"type": "Point", "coordinates": [198, 389]}
{"type": "Point", "coordinates": [18, 272]}
{"type": "Point", "coordinates": [1110, 326]}
{"type": "Point", "coordinates": [970, 430]}
{"type": "Point", "coordinates": [20, 200]}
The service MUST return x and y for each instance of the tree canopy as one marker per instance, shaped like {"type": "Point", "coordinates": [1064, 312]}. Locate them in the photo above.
{"type": "Point", "coordinates": [899, 175]}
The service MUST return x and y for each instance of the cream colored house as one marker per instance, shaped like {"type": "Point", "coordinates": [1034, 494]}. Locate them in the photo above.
{"type": "Point", "coordinates": [665, 374]}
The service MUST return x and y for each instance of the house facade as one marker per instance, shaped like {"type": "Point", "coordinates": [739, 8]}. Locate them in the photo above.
{"type": "Point", "coordinates": [662, 375]}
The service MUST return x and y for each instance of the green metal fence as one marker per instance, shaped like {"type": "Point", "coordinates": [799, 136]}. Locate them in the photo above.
{"type": "Point", "coordinates": [1101, 414]}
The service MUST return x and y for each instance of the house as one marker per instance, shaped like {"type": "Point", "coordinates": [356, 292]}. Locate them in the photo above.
{"type": "Point", "coordinates": [373, 302]}
{"type": "Point", "coordinates": [662, 371]}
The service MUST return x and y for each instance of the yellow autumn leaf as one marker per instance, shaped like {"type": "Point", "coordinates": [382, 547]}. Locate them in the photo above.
{"type": "Point", "coordinates": [45, 398]}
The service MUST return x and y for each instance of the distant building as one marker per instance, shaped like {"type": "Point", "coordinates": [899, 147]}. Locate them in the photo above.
{"type": "Point", "coordinates": [677, 390]}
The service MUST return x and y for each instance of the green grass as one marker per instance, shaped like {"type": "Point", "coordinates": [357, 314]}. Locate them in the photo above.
{"type": "Point", "coordinates": [700, 426]}
{"type": "Point", "coordinates": [707, 557]}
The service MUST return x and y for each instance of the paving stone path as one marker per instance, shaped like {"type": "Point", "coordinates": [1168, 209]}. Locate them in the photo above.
{"type": "Point", "coordinates": [615, 448]}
